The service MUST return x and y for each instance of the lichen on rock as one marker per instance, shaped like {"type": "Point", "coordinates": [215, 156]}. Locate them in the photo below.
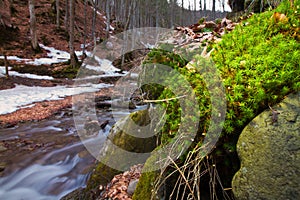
{"type": "Point", "coordinates": [270, 154]}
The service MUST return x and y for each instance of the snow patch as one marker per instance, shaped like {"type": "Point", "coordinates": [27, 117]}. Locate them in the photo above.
{"type": "Point", "coordinates": [110, 26]}
{"type": "Point", "coordinates": [53, 56]}
{"type": "Point", "coordinates": [20, 96]}
{"type": "Point", "coordinates": [16, 58]}
{"type": "Point", "coordinates": [25, 75]}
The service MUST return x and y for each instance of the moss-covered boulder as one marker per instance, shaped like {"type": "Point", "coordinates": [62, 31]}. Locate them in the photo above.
{"type": "Point", "coordinates": [120, 137]}
{"type": "Point", "coordinates": [269, 149]}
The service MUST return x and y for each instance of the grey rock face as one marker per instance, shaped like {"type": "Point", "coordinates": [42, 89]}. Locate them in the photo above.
{"type": "Point", "coordinates": [269, 151]}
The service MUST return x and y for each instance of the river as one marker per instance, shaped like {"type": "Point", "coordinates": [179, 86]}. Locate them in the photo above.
{"type": "Point", "coordinates": [45, 160]}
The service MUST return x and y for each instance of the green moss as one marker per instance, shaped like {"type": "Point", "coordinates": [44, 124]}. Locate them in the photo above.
{"type": "Point", "coordinates": [67, 72]}
{"type": "Point", "coordinates": [146, 184]}
{"type": "Point", "coordinates": [125, 141]}
{"type": "Point", "coordinates": [259, 65]}
{"type": "Point", "coordinates": [101, 176]}
{"type": "Point", "coordinates": [141, 118]}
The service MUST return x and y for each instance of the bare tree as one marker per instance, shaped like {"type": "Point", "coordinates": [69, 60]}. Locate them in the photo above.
{"type": "Point", "coordinates": [214, 8]}
{"type": "Point", "coordinates": [73, 57]}
{"type": "Point", "coordinates": [33, 30]}
{"type": "Point", "coordinates": [223, 5]}
{"type": "Point", "coordinates": [200, 4]}
{"type": "Point", "coordinates": [5, 13]}
{"type": "Point", "coordinates": [57, 14]}
{"type": "Point", "coordinates": [107, 10]}
{"type": "Point", "coordinates": [181, 11]}
{"type": "Point", "coordinates": [66, 21]}
{"type": "Point", "coordinates": [6, 65]}
{"type": "Point", "coordinates": [195, 15]}
{"type": "Point", "coordinates": [172, 13]}
{"type": "Point", "coordinates": [95, 9]}
{"type": "Point", "coordinates": [85, 27]}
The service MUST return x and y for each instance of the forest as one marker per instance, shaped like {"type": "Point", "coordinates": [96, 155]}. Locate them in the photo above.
{"type": "Point", "coordinates": [141, 99]}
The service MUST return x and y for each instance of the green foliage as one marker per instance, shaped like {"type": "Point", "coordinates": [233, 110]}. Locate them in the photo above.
{"type": "Point", "coordinates": [173, 109]}
{"type": "Point", "coordinates": [67, 72]}
{"type": "Point", "coordinates": [143, 191]}
{"type": "Point", "coordinates": [259, 63]}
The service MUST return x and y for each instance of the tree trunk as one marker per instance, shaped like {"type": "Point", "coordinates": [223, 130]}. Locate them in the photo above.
{"type": "Point", "coordinates": [66, 21]}
{"type": "Point", "coordinates": [223, 5]}
{"type": "Point", "coordinates": [94, 24]}
{"type": "Point", "coordinates": [73, 57]}
{"type": "Point", "coordinates": [195, 14]}
{"type": "Point", "coordinates": [57, 14]}
{"type": "Point", "coordinates": [172, 13]}
{"type": "Point", "coordinates": [85, 27]}
{"type": "Point", "coordinates": [157, 13]}
{"type": "Point", "coordinates": [129, 16]}
{"type": "Point", "coordinates": [214, 8]}
{"type": "Point", "coordinates": [107, 10]}
{"type": "Point", "coordinates": [33, 31]}
{"type": "Point", "coordinates": [200, 4]}
{"type": "Point", "coordinates": [182, 13]}
{"type": "Point", "coordinates": [6, 66]}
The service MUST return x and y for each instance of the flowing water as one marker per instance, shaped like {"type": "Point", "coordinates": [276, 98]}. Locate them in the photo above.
{"type": "Point", "coordinates": [46, 159]}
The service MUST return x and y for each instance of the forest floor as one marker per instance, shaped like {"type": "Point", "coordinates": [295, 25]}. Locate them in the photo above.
{"type": "Point", "coordinates": [15, 41]}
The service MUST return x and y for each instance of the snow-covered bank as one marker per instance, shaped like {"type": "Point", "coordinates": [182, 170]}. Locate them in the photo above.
{"type": "Point", "coordinates": [53, 56]}
{"type": "Point", "coordinates": [25, 75]}
{"type": "Point", "coordinates": [20, 96]}
{"type": "Point", "coordinates": [57, 56]}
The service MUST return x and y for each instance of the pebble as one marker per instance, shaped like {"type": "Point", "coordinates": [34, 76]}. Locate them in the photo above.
{"type": "Point", "coordinates": [131, 187]}
{"type": "Point", "coordinates": [2, 148]}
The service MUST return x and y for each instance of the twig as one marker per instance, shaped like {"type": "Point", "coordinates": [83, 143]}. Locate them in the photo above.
{"type": "Point", "coordinates": [275, 114]}
{"type": "Point", "coordinates": [183, 176]}
{"type": "Point", "coordinates": [163, 100]}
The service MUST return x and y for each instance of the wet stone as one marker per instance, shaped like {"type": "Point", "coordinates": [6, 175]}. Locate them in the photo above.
{"type": "Point", "coordinates": [2, 166]}
{"type": "Point", "coordinates": [2, 148]}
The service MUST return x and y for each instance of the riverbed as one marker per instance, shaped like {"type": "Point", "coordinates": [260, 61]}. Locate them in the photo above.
{"type": "Point", "coordinates": [47, 159]}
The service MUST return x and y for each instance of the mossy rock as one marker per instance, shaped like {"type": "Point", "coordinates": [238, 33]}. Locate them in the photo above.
{"type": "Point", "coordinates": [269, 149]}
{"type": "Point", "coordinates": [77, 194]}
{"type": "Point", "coordinates": [119, 138]}
{"type": "Point", "coordinates": [145, 187]}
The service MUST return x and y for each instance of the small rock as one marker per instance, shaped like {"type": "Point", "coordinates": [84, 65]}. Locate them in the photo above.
{"type": "Point", "coordinates": [2, 166]}
{"type": "Point", "coordinates": [131, 187]}
{"type": "Point", "coordinates": [2, 148]}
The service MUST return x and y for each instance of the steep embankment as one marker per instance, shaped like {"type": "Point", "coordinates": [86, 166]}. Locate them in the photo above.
{"type": "Point", "coordinates": [15, 36]}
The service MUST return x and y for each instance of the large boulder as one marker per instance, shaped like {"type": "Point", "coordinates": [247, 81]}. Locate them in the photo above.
{"type": "Point", "coordinates": [269, 150]}
{"type": "Point", "coordinates": [120, 137]}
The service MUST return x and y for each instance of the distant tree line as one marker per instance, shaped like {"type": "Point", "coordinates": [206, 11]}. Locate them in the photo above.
{"type": "Point", "coordinates": [158, 13]}
{"type": "Point", "coordinates": [127, 14]}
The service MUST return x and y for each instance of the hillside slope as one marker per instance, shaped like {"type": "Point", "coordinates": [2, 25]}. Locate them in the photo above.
{"type": "Point", "coordinates": [15, 34]}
